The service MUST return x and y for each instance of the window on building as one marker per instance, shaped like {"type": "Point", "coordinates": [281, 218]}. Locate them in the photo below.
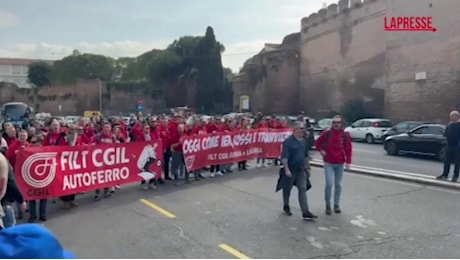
{"type": "Point", "coordinates": [25, 70]}
{"type": "Point", "coordinates": [5, 69]}
{"type": "Point", "coordinates": [17, 70]}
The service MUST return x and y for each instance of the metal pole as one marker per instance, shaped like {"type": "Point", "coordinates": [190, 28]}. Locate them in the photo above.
{"type": "Point", "coordinates": [100, 95]}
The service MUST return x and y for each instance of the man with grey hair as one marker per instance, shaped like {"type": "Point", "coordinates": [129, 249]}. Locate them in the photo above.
{"type": "Point", "coordinates": [452, 152]}
{"type": "Point", "coordinates": [296, 164]}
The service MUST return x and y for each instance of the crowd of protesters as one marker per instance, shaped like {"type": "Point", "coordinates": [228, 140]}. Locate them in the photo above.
{"type": "Point", "coordinates": [96, 130]}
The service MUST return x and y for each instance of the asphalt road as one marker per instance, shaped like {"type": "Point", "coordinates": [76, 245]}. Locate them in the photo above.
{"type": "Point", "coordinates": [239, 216]}
{"type": "Point", "coordinates": [374, 156]}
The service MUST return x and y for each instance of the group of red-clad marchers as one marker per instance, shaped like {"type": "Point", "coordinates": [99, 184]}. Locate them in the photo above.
{"type": "Point", "coordinates": [95, 130]}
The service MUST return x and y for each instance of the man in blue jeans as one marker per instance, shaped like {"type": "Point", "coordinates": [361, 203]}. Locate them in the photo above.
{"type": "Point", "coordinates": [335, 146]}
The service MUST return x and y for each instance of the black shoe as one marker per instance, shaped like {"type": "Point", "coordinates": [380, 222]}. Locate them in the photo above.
{"type": "Point", "coordinates": [309, 216]}
{"type": "Point", "coordinates": [337, 209]}
{"type": "Point", "coordinates": [441, 177]}
{"type": "Point", "coordinates": [161, 181]}
{"type": "Point", "coordinates": [96, 198]}
{"type": "Point", "coordinates": [455, 179]}
{"type": "Point", "coordinates": [42, 218]}
{"type": "Point", "coordinates": [168, 178]}
{"type": "Point", "coordinates": [328, 210]}
{"type": "Point", "coordinates": [287, 210]}
{"type": "Point", "coordinates": [32, 220]}
{"type": "Point", "coordinates": [229, 171]}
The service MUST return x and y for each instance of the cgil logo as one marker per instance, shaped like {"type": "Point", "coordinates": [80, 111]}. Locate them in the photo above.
{"type": "Point", "coordinates": [39, 170]}
{"type": "Point", "coordinates": [409, 23]}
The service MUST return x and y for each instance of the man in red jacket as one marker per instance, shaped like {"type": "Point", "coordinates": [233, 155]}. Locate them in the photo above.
{"type": "Point", "coordinates": [335, 147]}
{"type": "Point", "coordinates": [15, 147]}
{"type": "Point", "coordinates": [104, 137]}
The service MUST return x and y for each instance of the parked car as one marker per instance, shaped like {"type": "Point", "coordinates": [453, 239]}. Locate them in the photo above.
{"type": "Point", "coordinates": [427, 139]}
{"type": "Point", "coordinates": [71, 119]}
{"type": "Point", "coordinates": [403, 127]}
{"type": "Point", "coordinates": [369, 129]}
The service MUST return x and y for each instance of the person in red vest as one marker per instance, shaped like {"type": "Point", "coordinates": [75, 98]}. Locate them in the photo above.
{"type": "Point", "coordinates": [72, 139]}
{"type": "Point", "coordinates": [89, 130]}
{"type": "Point", "coordinates": [10, 134]}
{"type": "Point", "coordinates": [198, 128]}
{"type": "Point", "coordinates": [123, 128]}
{"type": "Point", "coordinates": [226, 127]}
{"type": "Point", "coordinates": [118, 133]}
{"type": "Point", "coordinates": [282, 124]}
{"type": "Point", "coordinates": [105, 136]}
{"type": "Point", "coordinates": [147, 136]}
{"type": "Point", "coordinates": [18, 145]}
{"type": "Point", "coordinates": [243, 126]}
{"type": "Point", "coordinates": [336, 149]}
{"type": "Point", "coordinates": [177, 157]}
{"type": "Point", "coordinates": [55, 136]}
{"type": "Point", "coordinates": [36, 141]}
{"type": "Point", "coordinates": [166, 141]}
{"type": "Point", "coordinates": [273, 123]}
{"type": "Point", "coordinates": [262, 125]}
{"type": "Point", "coordinates": [82, 138]}
{"type": "Point", "coordinates": [213, 127]}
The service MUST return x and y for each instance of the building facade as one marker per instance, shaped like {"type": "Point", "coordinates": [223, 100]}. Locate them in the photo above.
{"type": "Point", "coordinates": [15, 71]}
{"type": "Point", "coordinates": [345, 54]}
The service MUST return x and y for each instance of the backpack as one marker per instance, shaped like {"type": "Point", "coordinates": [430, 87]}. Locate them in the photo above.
{"type": "Point", "coordinates": [328, 136]}
{"type": "Point", "coordinates": [61, 135]}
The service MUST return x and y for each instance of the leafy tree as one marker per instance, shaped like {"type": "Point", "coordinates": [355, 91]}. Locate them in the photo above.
{"type": "Point", "coordinates": [210, 78]}
{"type": "Point", "coordinates": [165, 68]}
{"type": "Point", "coordinates": [39, 73]}
{"type": "Point", "coordinates": [228, 90]}
{"type": "Point", "coordinates": [138, 68]}
{"type": "Point", "coordinates": [83, 66]}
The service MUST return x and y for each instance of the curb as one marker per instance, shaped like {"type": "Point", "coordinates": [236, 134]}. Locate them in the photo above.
{"type": "Point", "coordinates": [410, 177]}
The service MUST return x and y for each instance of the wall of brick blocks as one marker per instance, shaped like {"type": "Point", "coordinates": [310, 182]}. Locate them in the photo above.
{"type": "Point", "coordinates": [75, 99]}
{"type": "Point", "coordinates": [343, 56]}
{"type": "Point", "coordinates": [436, 53]}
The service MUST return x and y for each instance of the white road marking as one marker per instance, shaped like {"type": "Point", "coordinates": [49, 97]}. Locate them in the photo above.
{"type": "Point", "coordinates": [314, 243]}
{"type": "Point", "coordinates": [324, 229]}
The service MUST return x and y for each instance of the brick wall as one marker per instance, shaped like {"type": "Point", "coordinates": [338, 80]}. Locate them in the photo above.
{"type": "Point", "coordinates": [271, 79]}
{"type": "Point", "coordinates": [343, 57]}
{"type": "Point", "coordinates": [82, 96]}
{"type": "Point", "coordinates": [436, 53]}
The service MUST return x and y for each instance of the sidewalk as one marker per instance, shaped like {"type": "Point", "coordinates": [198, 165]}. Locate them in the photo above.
{"type": "Point", "coordinates": [240, 215]}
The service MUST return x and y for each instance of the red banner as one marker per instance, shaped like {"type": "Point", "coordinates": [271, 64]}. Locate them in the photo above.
{"type": "Point", "coordinates": [224, 148]}
{"type": "Point", "coordinates": [54, 171]}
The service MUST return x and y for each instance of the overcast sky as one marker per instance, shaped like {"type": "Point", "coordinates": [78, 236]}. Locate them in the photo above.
{"type": "Point", "coordinates": [52, 29]}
